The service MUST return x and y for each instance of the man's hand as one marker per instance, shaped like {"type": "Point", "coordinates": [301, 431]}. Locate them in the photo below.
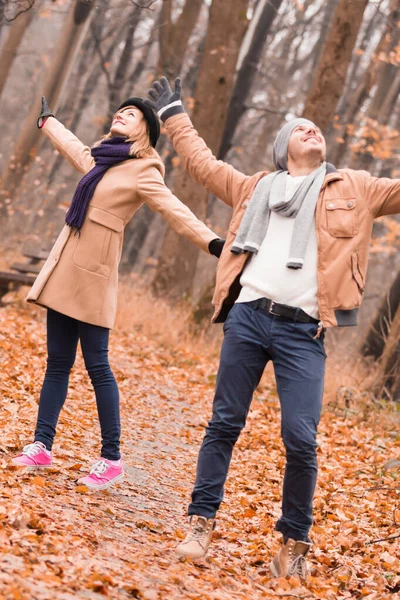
{"type": "Point", "coordinates": [165, 101]}
{"type": "Point", "coordinates": [46, 112]}
{"type": "Point", "coordinates": [216, 246]}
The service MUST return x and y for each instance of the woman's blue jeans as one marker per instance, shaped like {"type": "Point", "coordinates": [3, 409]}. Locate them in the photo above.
{"type": "Point", "coordinates": [252, 338]}
{"type": "Point", "coordinates": [63, 334]}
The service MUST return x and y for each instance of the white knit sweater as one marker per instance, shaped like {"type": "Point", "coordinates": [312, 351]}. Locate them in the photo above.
{"type": "Point", "coordinates": [266, 274]}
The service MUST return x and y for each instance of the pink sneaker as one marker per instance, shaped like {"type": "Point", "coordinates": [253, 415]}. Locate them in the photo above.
{"type": "Point", "coordinates": [33, 456]}
{"type": "Point", "coordinates": [103, 474]}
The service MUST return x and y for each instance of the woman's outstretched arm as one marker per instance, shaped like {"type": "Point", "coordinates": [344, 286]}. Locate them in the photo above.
{"type": "Point", "coordinates": [63, 140]}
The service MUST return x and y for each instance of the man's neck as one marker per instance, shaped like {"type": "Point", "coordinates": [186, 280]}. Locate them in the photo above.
{"type": "Point", "coordinates": [297, 170]}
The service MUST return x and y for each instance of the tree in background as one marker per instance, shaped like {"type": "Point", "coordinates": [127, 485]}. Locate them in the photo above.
{"type": "Point", "coordinates": [331, 70]}
{"type": "Point", "coordinates": [174, 37]}
{"type": "Point", "coordinates": [123, 50]}
{"type": "Point", "coordinates": [177, 263]}
{"type": "Point", "coordinates": [12, 43]}
{"type": "Point", "coordinates": [68, 46]}
{"type": "Point", "coordinates": [264, 15]}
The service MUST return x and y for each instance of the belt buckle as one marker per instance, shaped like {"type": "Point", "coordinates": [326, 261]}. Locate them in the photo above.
{"type": "Point", "coordinates": [271, 309]}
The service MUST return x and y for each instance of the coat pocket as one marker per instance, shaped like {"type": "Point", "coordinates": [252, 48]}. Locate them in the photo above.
{"type": "Point", "coordinates": [342, 218]}
{"type": "Point", "coordinates": [97, 247]}
{"type": "Point", "coordinates": [356, 273]}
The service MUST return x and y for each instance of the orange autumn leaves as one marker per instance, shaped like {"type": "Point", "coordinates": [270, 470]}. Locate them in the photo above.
{"type": "Point", "coordinates": [59, 542]}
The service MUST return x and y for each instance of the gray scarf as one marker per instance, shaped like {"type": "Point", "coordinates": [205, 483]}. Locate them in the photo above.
{"type": "Point", "coordinates": [269, 195]}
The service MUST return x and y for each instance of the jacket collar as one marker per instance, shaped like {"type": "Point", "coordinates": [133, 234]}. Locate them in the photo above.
{"type": "Point", "coordinates": [332, 174]}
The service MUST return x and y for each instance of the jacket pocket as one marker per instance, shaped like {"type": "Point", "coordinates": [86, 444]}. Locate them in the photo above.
{"type": "Point", "coordinates": [356, 272]}
{"type": "Point", "coordinates": [342, 218]}
{"type": "Point", "coordinates": [97, 247]}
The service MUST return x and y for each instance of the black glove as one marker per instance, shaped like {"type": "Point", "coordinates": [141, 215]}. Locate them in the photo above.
{"type": "Point", "coordinates": [161, 97]}
{"type": "Point", "coordinates": [46, 112]}
{"type": "Point", "coordinates": [216, 246]}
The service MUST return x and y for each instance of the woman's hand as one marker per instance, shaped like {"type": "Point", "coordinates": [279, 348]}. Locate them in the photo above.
{"type": "Point", "coordinates": [165, 101]}
{"type": "Point", "coordinates": [46, 112]}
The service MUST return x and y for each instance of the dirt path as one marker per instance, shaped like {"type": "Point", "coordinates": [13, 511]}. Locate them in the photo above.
{"type": "Point", "coordinates": [59, 541]}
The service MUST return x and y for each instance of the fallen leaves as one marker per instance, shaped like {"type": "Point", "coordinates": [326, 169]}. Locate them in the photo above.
{"type": "Point", "coordinates": [60, 540]}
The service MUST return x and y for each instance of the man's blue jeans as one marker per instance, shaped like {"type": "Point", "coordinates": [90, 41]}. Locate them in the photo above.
{"type": "Point", "coordinates": [252, 338]}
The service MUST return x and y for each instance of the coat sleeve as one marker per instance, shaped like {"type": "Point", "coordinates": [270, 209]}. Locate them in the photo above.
{"type": "Point", "coordinates": [383, 195]}
{"type": "Point", "coordinates": [68, 145]}
{"type": "Point", "coordinates": [152, 190]}
{"type": "Point", "coordinates": [216, 176]}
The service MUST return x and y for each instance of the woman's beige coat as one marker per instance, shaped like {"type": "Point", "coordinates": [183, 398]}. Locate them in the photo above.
{"type": "Point", "coordinates": [80, 277]}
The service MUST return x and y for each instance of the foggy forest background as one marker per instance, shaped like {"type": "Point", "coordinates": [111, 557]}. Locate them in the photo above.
{"type": "Point", "coordinates": [247, 67]}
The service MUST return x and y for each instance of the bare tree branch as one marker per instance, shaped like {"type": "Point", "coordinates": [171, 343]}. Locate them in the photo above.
{"type": "Point", "coordinates": [385, 539]}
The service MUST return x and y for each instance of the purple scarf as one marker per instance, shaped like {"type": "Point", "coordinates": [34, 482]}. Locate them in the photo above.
{"type": "Point", "coordinates": [109, 153]}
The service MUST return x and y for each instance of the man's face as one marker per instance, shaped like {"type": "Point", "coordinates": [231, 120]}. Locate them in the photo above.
{"type": "Point", "coordinates": [305, 141]}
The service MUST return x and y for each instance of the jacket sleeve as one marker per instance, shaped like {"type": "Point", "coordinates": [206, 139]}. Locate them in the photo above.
{"type": "Point", "coordinates": [152, 190]}
{"type": "Point", "coordinates": [216, 176]}
{"type": "Point", "coordinates": [68, 145]}
{"type": "Point", "coordinates": [383, 195]}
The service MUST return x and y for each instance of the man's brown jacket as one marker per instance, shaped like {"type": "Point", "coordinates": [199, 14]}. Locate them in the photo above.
{"type": "Point", "coordinates": [348, 203]}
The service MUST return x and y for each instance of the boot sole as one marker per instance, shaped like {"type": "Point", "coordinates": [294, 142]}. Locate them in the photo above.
{"type": "Point", "coordinates": [197, 559]}
{"type": "Point", "coordinates": [105, 485]}
{"type": "Point", "coordinates": [274, 570]}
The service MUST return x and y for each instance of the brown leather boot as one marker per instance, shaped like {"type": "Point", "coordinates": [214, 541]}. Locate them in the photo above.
{"type": "Point", "coordinates": [197, 541]}
{"type": "Point", "coordinates": [291, 560]}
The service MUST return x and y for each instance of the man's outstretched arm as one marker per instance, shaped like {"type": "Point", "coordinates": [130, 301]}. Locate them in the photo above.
{"type": "Point", "coordinates": [383, 195]}
{"type": "Point", "coordinates": [216, 176]}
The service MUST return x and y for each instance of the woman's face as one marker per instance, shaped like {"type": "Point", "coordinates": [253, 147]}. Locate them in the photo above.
{"type": "Point", "coordinates": [127, 122]}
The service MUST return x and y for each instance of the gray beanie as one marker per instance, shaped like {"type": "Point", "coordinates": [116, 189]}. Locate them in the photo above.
{"type": "Point", "coordinates": [281, 144]}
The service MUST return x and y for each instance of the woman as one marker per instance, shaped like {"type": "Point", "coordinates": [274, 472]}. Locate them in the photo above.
{"type": "Point", "coordinates": [78, 284]}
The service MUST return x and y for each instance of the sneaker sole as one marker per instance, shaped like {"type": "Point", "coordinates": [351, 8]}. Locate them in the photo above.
{"type": "Point", "coordinates": [31, 467]}
{"type": "Point", "coordinates": [105, 485]}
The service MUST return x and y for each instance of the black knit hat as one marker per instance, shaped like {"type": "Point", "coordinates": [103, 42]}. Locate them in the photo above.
{"type": "Point", "coordinates": [149, 115]}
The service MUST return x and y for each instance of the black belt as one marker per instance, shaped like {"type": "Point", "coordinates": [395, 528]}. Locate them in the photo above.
{"type": "Point", "coordinates": [282, 310]}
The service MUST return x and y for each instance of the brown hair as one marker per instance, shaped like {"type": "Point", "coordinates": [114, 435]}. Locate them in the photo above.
{"type": "Point", "coordinates": [141, 146]}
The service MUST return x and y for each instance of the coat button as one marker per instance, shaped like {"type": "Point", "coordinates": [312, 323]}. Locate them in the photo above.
{"type": "Point", "coordinates": [350, 204]}
{"type": "Point", "coordinates": [331, 205]}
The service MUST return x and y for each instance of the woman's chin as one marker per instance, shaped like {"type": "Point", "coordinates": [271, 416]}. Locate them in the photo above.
{"type": "Point", "coordinates": [115, 131]}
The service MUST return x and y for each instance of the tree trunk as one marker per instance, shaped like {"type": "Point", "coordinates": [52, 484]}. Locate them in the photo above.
{"type": "Point", "coordinates": [124, 62]}
{"type": "Point", "coordinates": [352, 102]}
{"type": "Point", "coordinates": [76, 103]}
{"type": "Point", "coordinates": [384, 97]}
{"type": "Point", "coordinates": [29, 139]}
{"type": "Point", "coordinates": [330, 8]}
{"type": "Point", "coordinates": [374, 342]}
{"type": "Point", "coordinates": [330, 77]}
{"type": "Point", "coordinates": [264, 14]}
{"type": "Point", "coordinates": [138, 230]}
{"type": "Point", "coordinates": [12, 43]}
{"type": "Point", "coordinates": [226, 29]}
{"type": "Point", "coordinates": [387, 383]}
{"type": "Point", "coordinates": [353, 72]}
{"type": "Point", "coordinates": [2, 7]}
{"type": "Point", "coordinates": [174, 37]}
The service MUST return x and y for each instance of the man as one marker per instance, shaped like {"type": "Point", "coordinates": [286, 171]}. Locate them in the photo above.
{"type": "Point", "coordinates": [293, 264]}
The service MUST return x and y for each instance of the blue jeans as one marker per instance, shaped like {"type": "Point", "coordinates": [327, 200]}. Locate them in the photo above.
{"type": "Point", "coordinates": [252, 338]}
{"type": "Point", "coordinates": [63, 334]}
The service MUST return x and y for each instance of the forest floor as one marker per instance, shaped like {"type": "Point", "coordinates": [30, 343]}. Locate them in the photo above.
{"type": "Point", "coordinates": [60, 541]}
